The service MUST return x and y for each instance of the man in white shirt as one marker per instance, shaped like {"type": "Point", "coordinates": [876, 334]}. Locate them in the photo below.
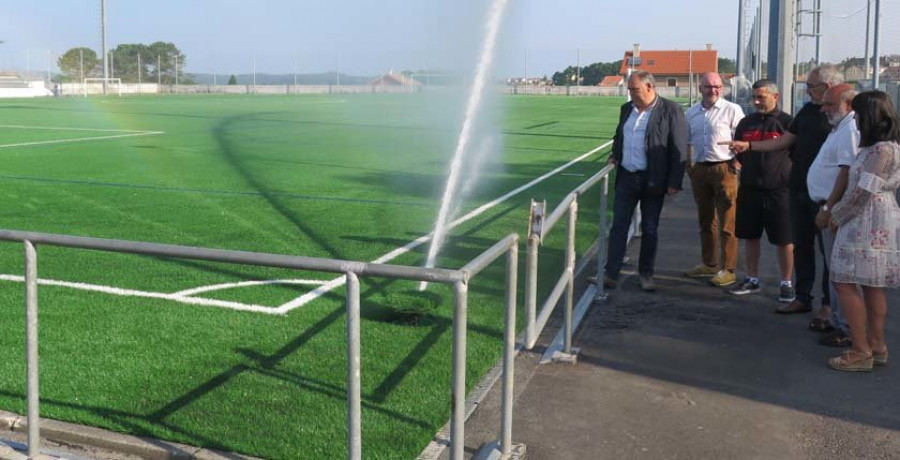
{"type": "Point", "coordinates": [827, 182]}
{"type": "Point", "coordinates": [714, 179]}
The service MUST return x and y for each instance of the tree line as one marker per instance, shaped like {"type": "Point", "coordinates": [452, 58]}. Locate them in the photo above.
{"type": "Point", "coordinates": [157, 62]}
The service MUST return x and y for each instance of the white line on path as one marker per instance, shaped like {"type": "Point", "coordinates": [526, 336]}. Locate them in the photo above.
{"type": "Point", "coordinates": [82, 139]}
{"type": "Point", "coordinates": [339, 281]}
{"type": "Point", "coordinates": [178, 297]}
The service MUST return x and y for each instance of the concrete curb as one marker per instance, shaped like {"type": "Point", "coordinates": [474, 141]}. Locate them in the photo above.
{"type": "Point", "coordinates": [90, 438]}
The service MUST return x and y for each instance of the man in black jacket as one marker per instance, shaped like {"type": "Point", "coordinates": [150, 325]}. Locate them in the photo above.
{"type": "Point", "coordinates": [649, 147]}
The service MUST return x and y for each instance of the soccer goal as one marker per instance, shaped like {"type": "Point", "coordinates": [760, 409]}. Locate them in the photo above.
{"type": "Point", "coordinates": [102, 86]}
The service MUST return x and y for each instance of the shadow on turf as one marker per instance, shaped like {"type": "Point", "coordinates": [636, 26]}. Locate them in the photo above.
{"type": "Point", "coordinates": [233, 157]}
{"type": "Point", "coordinates": [493, 181]}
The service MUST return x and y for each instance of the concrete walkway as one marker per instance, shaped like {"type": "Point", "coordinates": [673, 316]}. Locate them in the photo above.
{"type": "Point", "coordinates": [692, 372]}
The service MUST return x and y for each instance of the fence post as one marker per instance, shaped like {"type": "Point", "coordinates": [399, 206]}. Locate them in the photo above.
{"type": "Point", "coordinates": [31, 351]}
{"type": "Point", "coordinates": [458, 401]}
{"type": "Point", "coordinates": [509, 348]}
{"type": "Point", "coordinates": [535, 226]}
{"type": "Point", "coordinates": [601, 249]}
{"type": "Point", "coordinates": [570, 272]}
{"type": "Point", "coordinates": [354, 411]}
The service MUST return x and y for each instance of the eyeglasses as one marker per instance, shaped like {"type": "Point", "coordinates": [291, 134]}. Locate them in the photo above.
{"type": "Point", "coordinates": [634, 88]}
{"type": "Point", "coordinates": [815, 85]}
{"type": "Point", "coordinates": [712, 86]}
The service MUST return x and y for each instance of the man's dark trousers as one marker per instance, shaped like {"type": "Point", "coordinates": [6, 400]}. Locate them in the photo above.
{"type": "Point", "coordinates": [805, 233]}
{"type": "Point", "coordinates": [631, 189]}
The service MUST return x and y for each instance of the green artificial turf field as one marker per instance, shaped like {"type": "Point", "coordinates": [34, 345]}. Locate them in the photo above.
{"type": "Point", "coordinates": [336, 176]}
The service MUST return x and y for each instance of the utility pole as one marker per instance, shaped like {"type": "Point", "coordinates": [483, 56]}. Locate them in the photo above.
{"type": "Point", "coordinates": [742, 19]}
{"type": "Point", "coordinates": [105, 50]}
{"type": "Point", "coordinates": [781, 49]}
{"type": "Point", "coordinates": [876, 41]}
{"type": "Point", "coordinates": [577, 67]}
{"type": "Point", "coordinates": [868, 23]}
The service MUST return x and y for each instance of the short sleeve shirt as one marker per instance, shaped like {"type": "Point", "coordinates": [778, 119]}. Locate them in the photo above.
{"type": "Point", "coordinates": [708, 127]}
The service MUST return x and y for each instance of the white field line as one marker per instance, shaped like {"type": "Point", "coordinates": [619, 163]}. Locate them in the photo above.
{"type": "Point", "coordinates": [339, 281]}
{"type": "Point", "coordinates": [217, 287]}
{"type": "Point", "coordinates": [82, 139]}
{"type": "Point", "coordinates": [60, 128]}
{"type": "Point", "coordinates": [177, 297]}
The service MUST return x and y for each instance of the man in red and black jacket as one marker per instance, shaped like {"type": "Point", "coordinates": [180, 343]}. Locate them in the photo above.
{"type": "Point", "coordinates": [763, 201]}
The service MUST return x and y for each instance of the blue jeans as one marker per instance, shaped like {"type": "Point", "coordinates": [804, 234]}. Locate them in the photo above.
{"type": "Point", "coordinates": [837, 318]}
{"type": "Point", "coordinates": [631, 191]}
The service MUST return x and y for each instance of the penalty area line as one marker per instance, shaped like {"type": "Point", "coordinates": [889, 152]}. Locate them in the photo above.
{"type": "Point", "coordinates": [177, 297]}
{"type": "Point", "coordinates": [81, 139]}
{"type": "Point", "coordinates": [339, 281]}
{"type": "Point", "coordinates": [60, 128]}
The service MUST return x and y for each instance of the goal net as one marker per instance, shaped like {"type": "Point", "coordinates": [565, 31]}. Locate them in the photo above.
{"type": "Point", "coordinates": [93, 86]}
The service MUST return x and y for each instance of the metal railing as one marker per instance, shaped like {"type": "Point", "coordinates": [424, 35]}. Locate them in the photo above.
{"type": "Point", "coordinates": [353, 270]}
{"type": "Point", "coordinates": [538, 228]}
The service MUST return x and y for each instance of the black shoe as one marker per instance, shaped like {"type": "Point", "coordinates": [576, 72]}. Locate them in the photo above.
{"type": "Point", "coordinates": [746, 288]}
{"type": "Point", "coordinates": [609, 283]}
{"type": "Point", "coordinates": [836, 339]}
{"type": "Point", "coordinates": [647, 283]}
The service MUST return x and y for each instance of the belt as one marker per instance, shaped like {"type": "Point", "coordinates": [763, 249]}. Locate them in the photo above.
{"type": "Point", "coordinates": [712, 163]}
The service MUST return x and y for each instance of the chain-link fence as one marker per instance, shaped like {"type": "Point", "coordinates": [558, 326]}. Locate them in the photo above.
{"type": "Point", "coordinates": [839, 32]}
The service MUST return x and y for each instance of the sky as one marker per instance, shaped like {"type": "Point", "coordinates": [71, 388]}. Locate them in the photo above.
{"type": "Point", "coordinates": [369, 37]}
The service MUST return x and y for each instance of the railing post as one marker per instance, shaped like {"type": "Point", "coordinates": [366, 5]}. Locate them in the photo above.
{"type": "Point", "coordinates": [531, 266]}
{"type": "Point", "coordinates": [535, 228]}
{"type": "Point", "coordinates": [458, 397]}
{"type": "Point", "coordinates": [570, 271]}
{"type": "Point", "coordinates": [601, 248]}
{"type": "Point", "coordinates": [354, 411]}
{"type": "Point", "coordinates": [509, 348]}
{"type": "Point", "coordinates": [31, 351]}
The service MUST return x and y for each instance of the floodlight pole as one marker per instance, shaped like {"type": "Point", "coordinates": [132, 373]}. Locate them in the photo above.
{"type": "Point", "coordinates": [105, 51]}
{"type": "Point", "coordinates": [577, 67]}
{"type": "Point", "coordinates": [868, 24]}
{"type": "Point", "coordinates": [877, 65]}
{"type": "Point", "coordinates": [742, 19]}
{"type": "Point", "coordinates": [139, 72]}
{"type": "Point", "coordinates": [81, 63]}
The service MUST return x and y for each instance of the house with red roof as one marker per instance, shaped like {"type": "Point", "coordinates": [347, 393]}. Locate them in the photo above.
{"type": "Point", "coordinates": [612, 81]}
{"type": "Point", "coordinates": [671, 68]}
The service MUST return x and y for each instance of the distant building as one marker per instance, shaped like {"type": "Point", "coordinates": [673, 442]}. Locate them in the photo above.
{"type": "Point", "coordinates": [393, 79]}
{"type": "Point", "coordinates": [672, 68]}
{"type": "Point", "coordinates": [890, 74]}
{"type": "Point", "coordinates": [612, 81]}
{"type": "Point", "coordinates": [854, 73]}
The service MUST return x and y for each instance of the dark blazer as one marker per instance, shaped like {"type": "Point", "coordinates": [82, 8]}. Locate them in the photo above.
{"type": "Point", "coordinates": [666, 144]}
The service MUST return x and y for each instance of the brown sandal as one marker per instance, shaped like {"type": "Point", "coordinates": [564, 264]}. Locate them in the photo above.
{"type": "Point", "coordinates": [852, 361]}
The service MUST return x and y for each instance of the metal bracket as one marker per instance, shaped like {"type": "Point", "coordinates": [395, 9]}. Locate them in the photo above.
{"type": "Point", "coordinates": [563, 357]}
{"type": "Point", "coordinates": [536, 219]}
{"type": "Point", "coordinates": [491, 451]}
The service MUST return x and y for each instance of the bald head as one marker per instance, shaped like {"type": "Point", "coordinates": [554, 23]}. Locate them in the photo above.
{"type": "Point", "coordinates": [710, 88]}
{"type": "Point", "coordinates": [836, 103]}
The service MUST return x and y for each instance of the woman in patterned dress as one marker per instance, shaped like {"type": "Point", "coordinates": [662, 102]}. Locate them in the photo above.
{"type": "Point", "coordinates": [866, 251]}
